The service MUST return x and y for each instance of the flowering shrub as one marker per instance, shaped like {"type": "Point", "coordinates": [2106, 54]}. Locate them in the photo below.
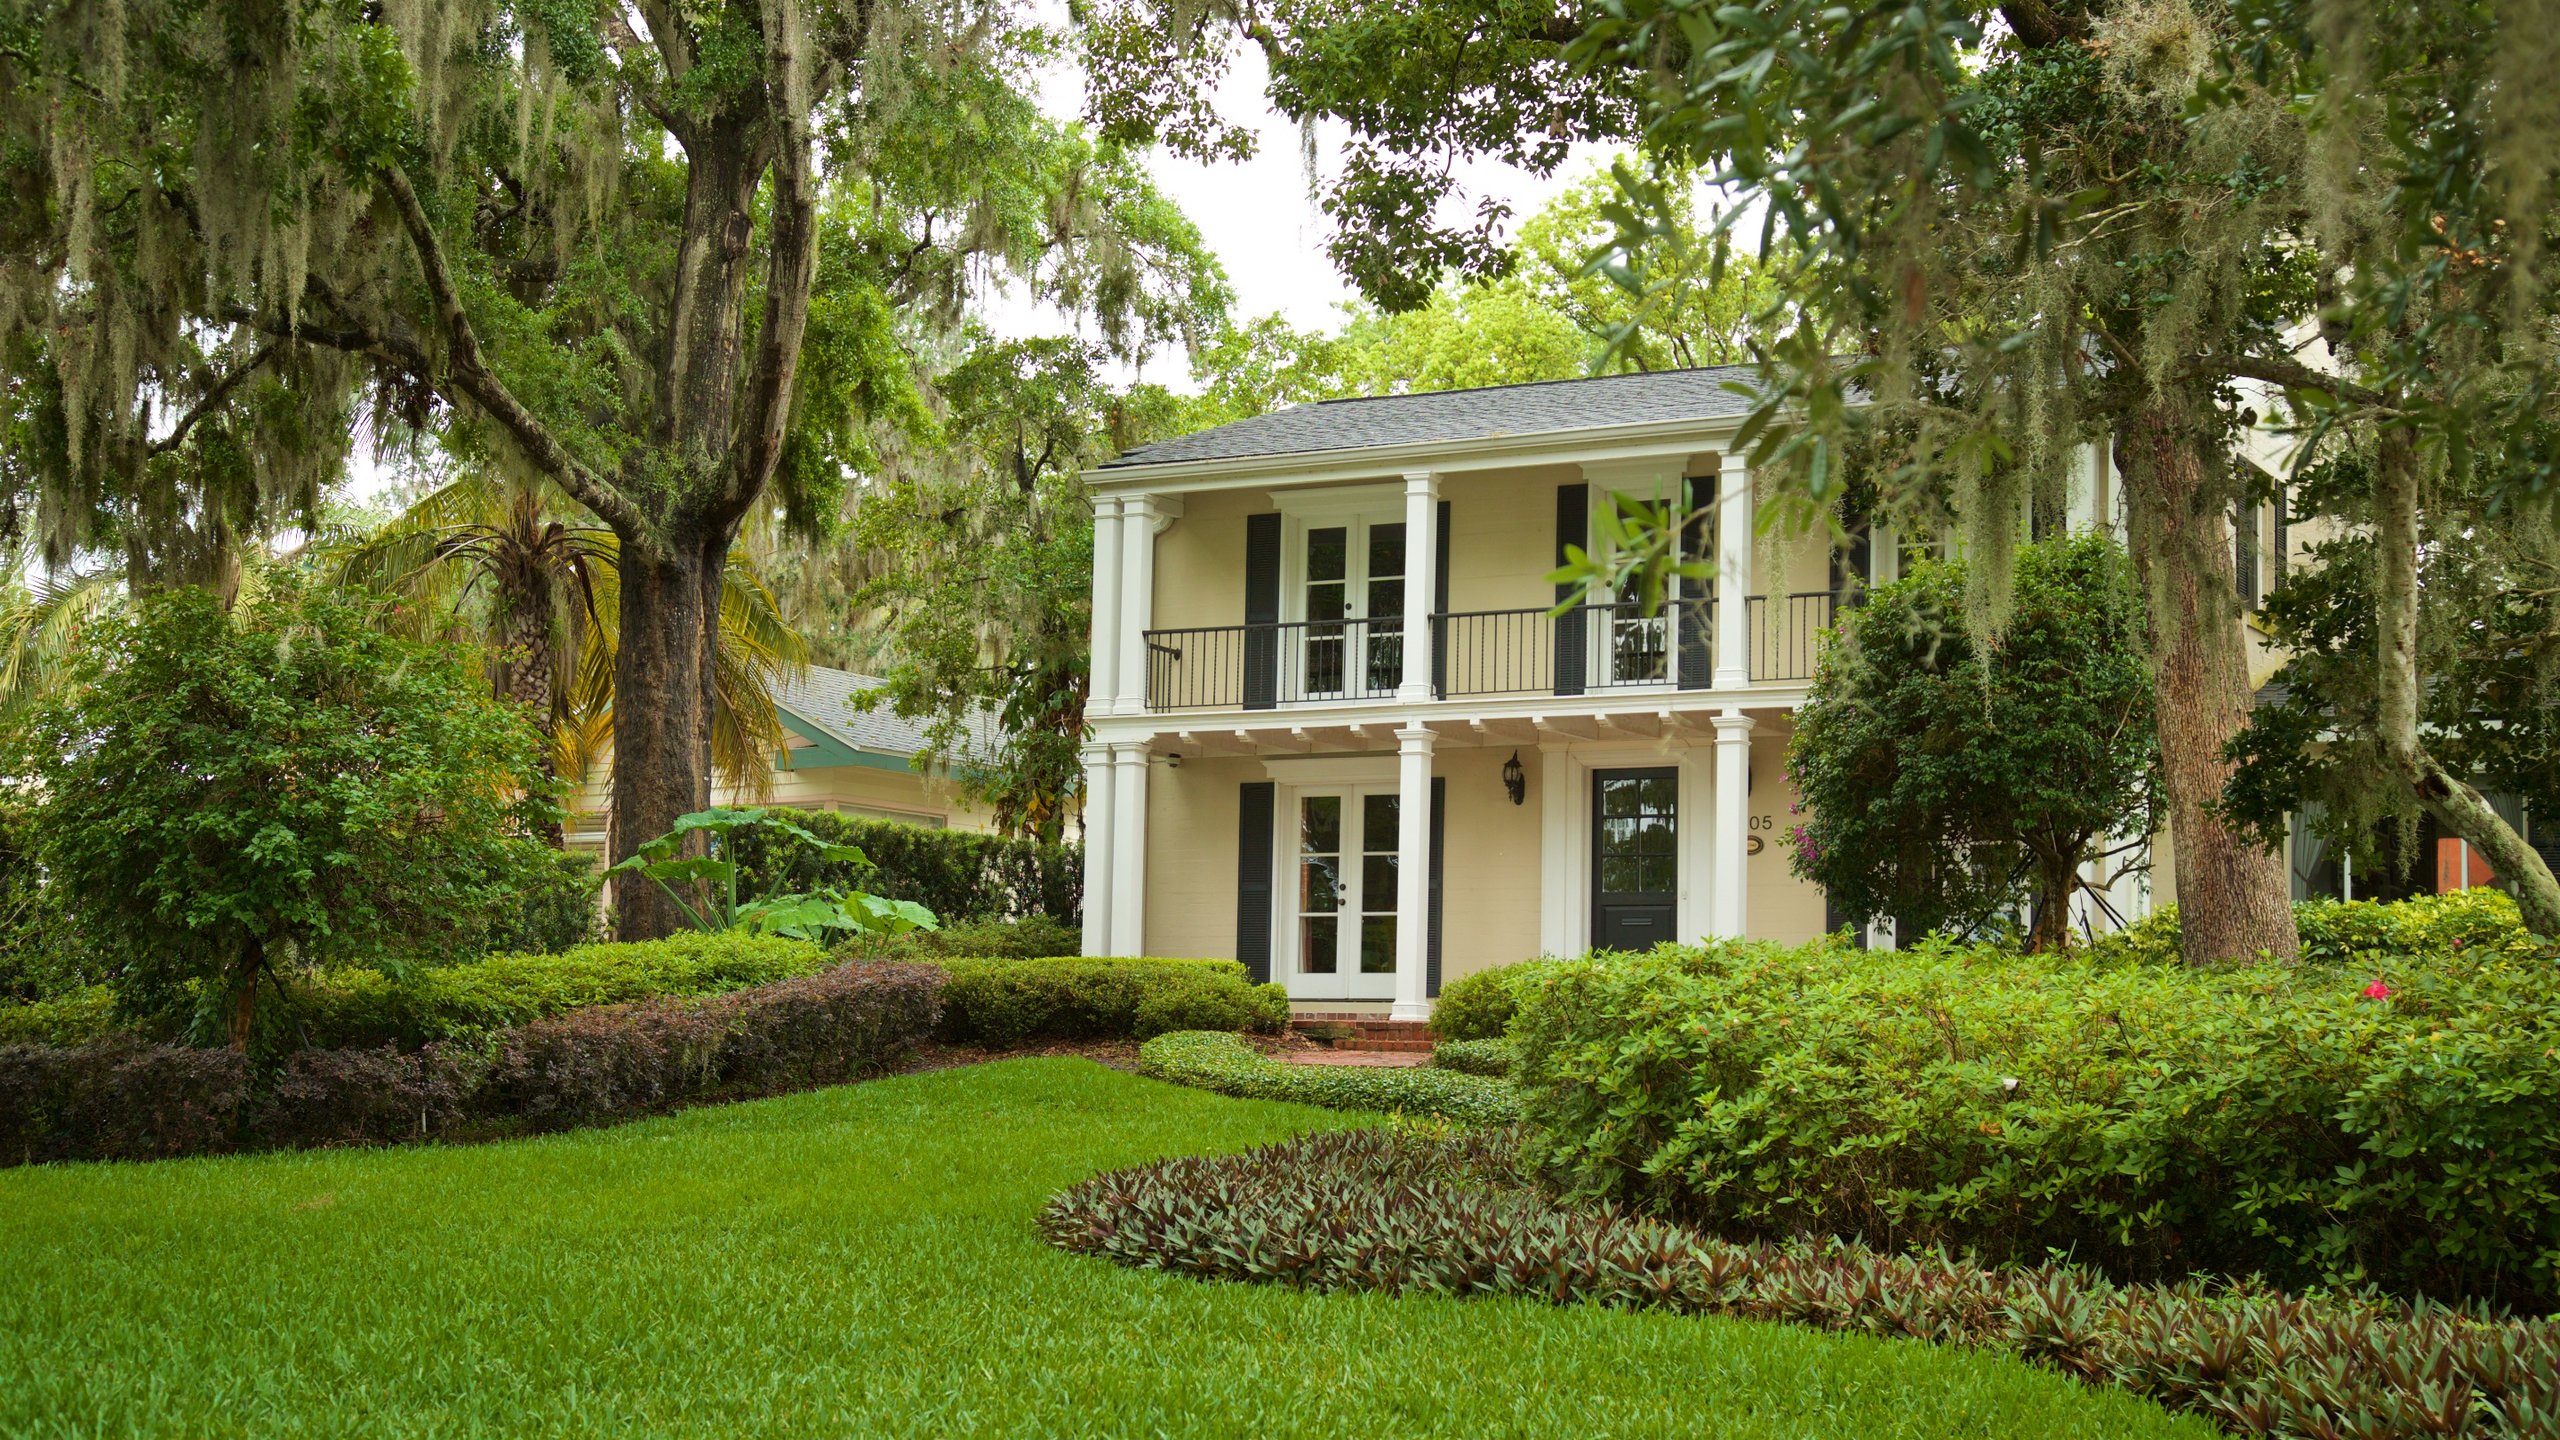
{"type": "Point", "coordinates": [1449, 1214]}
{"type": "Point", "coordinates": [2150, 1120]}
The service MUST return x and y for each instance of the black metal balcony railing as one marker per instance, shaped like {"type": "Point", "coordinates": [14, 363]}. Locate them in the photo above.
{"type": "Point", "coordinates": [1296, 662]}
{"type": "Point", "coordinates": [1480, 653]}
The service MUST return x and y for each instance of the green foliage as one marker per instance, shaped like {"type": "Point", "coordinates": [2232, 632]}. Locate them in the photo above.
{"type": "Point", "coordinates": [1950, 778]}
{"type": "Point", "coordinates": [353, 1009]}
{"type": "Point", "coordinates": [225, 799]}
{"type": "Point", "coordinates": [701, 878]}
{"type": "Point", "coordinates": [1480, 1006]}
{"type": "Point", "coordinates": [2391, 1123]}
{"type": "Point", "coordinates": [275, 1273]}
{"type": "Point", "coordinates": [1406, 1213]}
{"type": "Point", "coordinates": [1031, 938]}
{"type": "Point", "coordinates": [1474, 1057]}
{"type": "Point", "coordinates": [72, 1017]}
{"type": "Point", "coordinates": [39, 955]}
{"type": "Point", "coordinates": [2464, 926]}
{"type": "Point", "coordinates": [1003, 1003]}
{"type": "Point", "coordinates": [1216, 1060]}
{"type": "Point", "coordinates": [957, 874]}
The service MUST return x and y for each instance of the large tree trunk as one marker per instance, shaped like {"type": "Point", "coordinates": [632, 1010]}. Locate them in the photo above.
{"type": "Point", "coordinates": [243, 1018]}
{"type": "Point", "coordinates": [2234, 898]}
{"type": "Point", "coordinates": [2455, 805]}
{"type": "Point", "coordinates": [661, 717]}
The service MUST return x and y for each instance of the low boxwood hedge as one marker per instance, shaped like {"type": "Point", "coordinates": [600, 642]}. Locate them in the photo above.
{"type": "Point", "coordinates": [1474, 1057]}
{"type": "Point", "coordinates": [1210, 1060]}
{"type": "Point", "coordinates": [2396, 1123]}
{"type": "Point", "coordinates": [1480, 1006]}
{"type": "Point", "coordinates": [1003, 1003]}
{"type": "Point", "coordinates": [1400, 1211]}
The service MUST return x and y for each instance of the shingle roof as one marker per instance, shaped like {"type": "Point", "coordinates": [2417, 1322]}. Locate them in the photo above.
{"type": "Point", "coordinates": [1461, 415]}
{"type": "Point", "coordinates": [828, 698]}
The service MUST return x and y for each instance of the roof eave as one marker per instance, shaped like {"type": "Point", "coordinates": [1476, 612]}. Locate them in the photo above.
{"type": "Point", "coordinates": [1492, 452]}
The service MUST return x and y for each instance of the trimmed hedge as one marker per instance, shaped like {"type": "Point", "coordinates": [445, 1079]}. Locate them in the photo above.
{"type": "Point", "coordinates": [1480, 1006]}
{"type": "Point", "coordinates": [957, 874]}
{"type": "Point", "coordinates": [74, 1018]}
{"type": "Point", "coordinates": [1448, 1214]}
{"type": "Point", "coordinates": [363, 1008]}
{"type": "Point", "coordinates": [1474, 1057]}
{"type": "Point", "coordinates": [2153, 1120]}
{"type": "Point", "coordinates": [1212, 1060]}
{"type": "Point", "coordinates": [1033, 938]}
{"type": "Point", "coordinates": [123, 1099]}
{"type": "Point", "coordinates": [2360, 932]}
{"type": "Point", "coordinates": [1002, 1003]}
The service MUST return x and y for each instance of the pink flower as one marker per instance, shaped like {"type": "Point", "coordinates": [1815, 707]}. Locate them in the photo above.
{"type": "Point", "coordinates": [2377, 991]}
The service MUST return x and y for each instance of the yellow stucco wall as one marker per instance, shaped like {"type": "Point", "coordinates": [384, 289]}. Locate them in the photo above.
{"type": "Point", "coordinates": [1191, 854]}
{"type": "Point", "coordinates": [891, 794]}
{"type": "Point", "coordinates": [1779, 906]}
{"type": "Point", "coordinates": [1489, 867]}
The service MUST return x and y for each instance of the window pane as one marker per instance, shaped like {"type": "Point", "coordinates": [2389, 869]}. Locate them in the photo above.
{"type": "Point", "coordinates": [1378, 945]}
{"type": "Point", "coordinates": [1386, 599]}
{"type": "Point", "coordinates": [1319, 886]}
{"type": "Point", "coordinates": [1617, 835]}
{"type": "Point", "coordinates": [1378, 883]}
{"type": "Point", "coordinates": [1328, 551]}
{"type": "Point", "coordinates": [1386, 551]}
{"type": "Point", "coordinates": [1656, 875]}
{"type": "Point", "coordinates": [1378, 822]}
{"type": "Point", "coordinates": [1318, 945]}
{"type": "Point", "coordinates": [1662, 793]}
{"type": "Point", "coordinates": [1617, 875]}
{"type": "Point", "coordinates": [1656, 839]}
{"type": "Point", "coordinates": [1617, 797]}
{"type": "Point", "coordinates": [1320, 825]}
{"type": "Point", "coordinates": [1325, 600]}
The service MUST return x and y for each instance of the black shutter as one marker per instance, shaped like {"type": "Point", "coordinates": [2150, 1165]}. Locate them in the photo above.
{"type": "Point", "coordinates": [1573, 527]}
{"type": "Point", "coordinates": [2276, 577]}
{"type": "Point", "coordinates": [1696, 625]}
{"type": "Point", "coordinates": [1262, 611]}
{"type": "Point", "coordinates": [1439, 602]}
{"type": "Point", "coordinates": [1439, 817]}
{"type": "Point", "coordinates": [1253, 878]}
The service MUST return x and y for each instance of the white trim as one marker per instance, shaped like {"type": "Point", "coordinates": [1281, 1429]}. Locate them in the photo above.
{"type": "Point", "coordinates": [1342, 502]}
{"type": "Point", "coordinates": [1598, 443]}
{"type": "Point", "coordinates": [1413, 876]}
{"type": "Point", "coordinates": [1372, 769]}
{"type": "Point", "coordinates": [1564, 835]}
{"type": "Point", "coordinates": [1386, 714]}
{"type": "Point", "coordinates": [1346, 982]}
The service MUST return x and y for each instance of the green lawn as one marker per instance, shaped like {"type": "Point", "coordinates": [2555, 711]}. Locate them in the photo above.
{"type": "Point", "coordinates": [851, 1262]}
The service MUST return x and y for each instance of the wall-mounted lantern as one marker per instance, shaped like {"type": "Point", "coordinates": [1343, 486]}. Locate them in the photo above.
{"type": "Point", "coordinates": [1515, 780]}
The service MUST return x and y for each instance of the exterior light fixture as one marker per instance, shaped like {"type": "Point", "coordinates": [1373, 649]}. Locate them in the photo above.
{"type": "Point", "coordinates": [1515, 780]}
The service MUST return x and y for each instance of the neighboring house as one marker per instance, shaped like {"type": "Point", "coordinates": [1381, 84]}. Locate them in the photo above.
{"type": "Point", "coordinates": [1276, 775]}
{"type": "Point", "coordinates": [838, 757]}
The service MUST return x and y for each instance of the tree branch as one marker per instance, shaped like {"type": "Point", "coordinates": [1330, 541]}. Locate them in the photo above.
{"type": "Point", "coordinates": [2291, 374]}
{"type": "Point", "coordinates": [472, 376]}
{"type": "Point", "coordinates": [638, 65]}
{"type": "Point", "coordinates": [214, 398]}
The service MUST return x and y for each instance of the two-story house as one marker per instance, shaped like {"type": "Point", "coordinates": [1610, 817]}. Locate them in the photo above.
{"type": "Point", "coordinates": [1338, 735]}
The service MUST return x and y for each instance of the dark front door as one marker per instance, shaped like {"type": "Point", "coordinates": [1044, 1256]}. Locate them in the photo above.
{"type": "Point", "coordinates": [1635, 858]}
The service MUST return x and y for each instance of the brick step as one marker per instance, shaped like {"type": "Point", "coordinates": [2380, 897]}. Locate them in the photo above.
{"type": "Point", "coordinates": [1363, 1025]}
{"type": "Point", "coordinates": [1392, 1047]}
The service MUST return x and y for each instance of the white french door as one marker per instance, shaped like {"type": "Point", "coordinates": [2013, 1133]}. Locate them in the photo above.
{"type": "Point", "coordinates": [1341, 927]}
{"type": "Point", "coordinates": [1351, 596]}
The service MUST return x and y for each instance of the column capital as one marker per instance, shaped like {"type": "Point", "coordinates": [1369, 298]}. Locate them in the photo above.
{"type": "Point", "coordinates": [1416, 737]}
{"type": "Point", "coordinates": [1129, 752]}
{"type": "Point", "coordinates": [1731, 726]}
{"type": "Point", "coordinates": [1160, 510]}
{"type": "Point", "coordinates": [1733, 464]}
{"type": "Point", "coordinates": [1106, 506]}
{"type": "Point", "coordinates": [1422, 482]}
{"type": "Point", "coordinates": [1095, 752]}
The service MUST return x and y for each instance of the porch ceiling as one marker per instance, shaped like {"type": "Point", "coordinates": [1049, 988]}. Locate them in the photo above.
{"type": "Point", "coordinates": [1284, 736]}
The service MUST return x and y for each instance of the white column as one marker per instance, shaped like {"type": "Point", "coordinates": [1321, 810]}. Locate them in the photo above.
{"type": "Point", "coordinates": [1104, 665]}
{"type": "Point", "coordinates": [1413, 874]}
{"type": "Point", "coordinates": [1138, 514]}
{"type": "Point", "coordinates": [1733, 825]}
{"type": "Point", "coordinates": [1129, 853]}
{"type": "Point", "coordinates": [1101, 843]}
{"type": "Point", "coordinates": [1560, 818]}
{"type": "Point", "coordinates": [1421, 554]}
{"type": "Point", "coordinates": [1733, 573]}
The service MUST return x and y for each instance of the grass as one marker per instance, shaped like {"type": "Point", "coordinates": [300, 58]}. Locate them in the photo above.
{"type": "Point", "coordinates": [852, 1261]}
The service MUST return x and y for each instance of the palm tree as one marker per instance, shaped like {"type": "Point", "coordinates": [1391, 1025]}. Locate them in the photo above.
{"type": "Point", "coordinates": [40, 625]}
{"type": "Point", "coordinates": [509, 564]}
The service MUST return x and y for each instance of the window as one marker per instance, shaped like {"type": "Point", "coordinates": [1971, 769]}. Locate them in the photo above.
{"type": "Point", "coordinates": [1350, 596]}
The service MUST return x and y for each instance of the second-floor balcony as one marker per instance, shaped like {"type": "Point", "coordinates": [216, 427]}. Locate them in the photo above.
{"type": "Point", "coordinates": [1587, 649]}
